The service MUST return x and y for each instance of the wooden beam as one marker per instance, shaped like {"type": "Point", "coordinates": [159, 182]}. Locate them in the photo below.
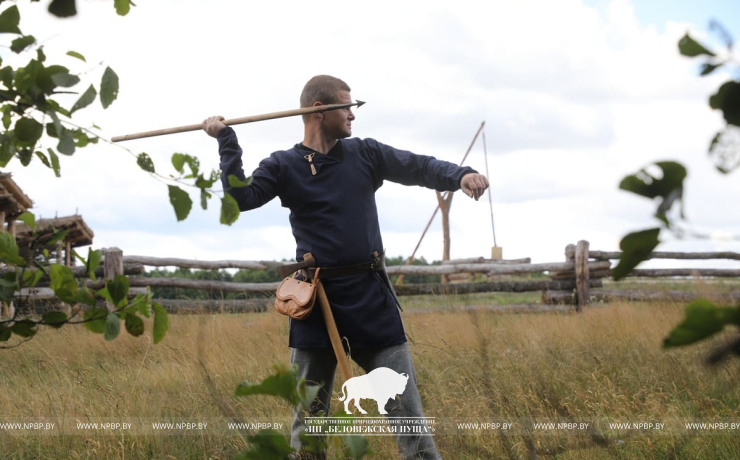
{"type": "Point", "coordinates": [582, 278]}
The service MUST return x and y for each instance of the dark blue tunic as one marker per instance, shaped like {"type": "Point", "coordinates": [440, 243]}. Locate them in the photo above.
{"type": "Point", "coordinates": [334, 217]}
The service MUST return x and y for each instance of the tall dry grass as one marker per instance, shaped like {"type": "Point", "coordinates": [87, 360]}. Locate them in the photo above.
{"type": "Point", "coordinates": [472, 366]}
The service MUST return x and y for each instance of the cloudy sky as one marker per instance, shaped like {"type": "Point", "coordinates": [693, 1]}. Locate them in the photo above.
{"type": "Point", "coordinates": [575, 95]}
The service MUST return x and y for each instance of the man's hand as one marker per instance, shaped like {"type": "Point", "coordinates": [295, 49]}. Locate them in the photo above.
{"type": "Point", "coordinates": [473, 185]}
{"type": "Point", "coordinates": [213, 125]}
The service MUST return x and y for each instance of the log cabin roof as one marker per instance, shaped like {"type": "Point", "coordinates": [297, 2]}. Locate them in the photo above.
{"type": "Point", "coordinates": [12, 199]}
{"type": "Point", "coordinates": [79, 233]}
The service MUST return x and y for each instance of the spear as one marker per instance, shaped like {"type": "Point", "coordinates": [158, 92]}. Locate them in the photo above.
{"type": "Point", "coordinates": [237, 121]}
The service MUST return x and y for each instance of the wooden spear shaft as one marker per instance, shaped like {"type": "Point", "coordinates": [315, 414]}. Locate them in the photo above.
{"type": "Point", "coordinates": [237, 121]}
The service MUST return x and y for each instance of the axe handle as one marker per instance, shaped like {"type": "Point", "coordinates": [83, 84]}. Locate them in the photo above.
{"type": "Point", "coordinates": [331, 327]}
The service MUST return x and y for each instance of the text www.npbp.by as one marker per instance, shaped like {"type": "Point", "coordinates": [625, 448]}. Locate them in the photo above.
{"type": "Point", "coordinates": [179, 426]}
{"type": "Point", "coordinates": [103, 426]}
{"type": "Point", "coordinates": [484, 426]}
{"type": "Point", "coordinates": [561, 426]}
{"type": "Point", "coordinates": [27, 426]}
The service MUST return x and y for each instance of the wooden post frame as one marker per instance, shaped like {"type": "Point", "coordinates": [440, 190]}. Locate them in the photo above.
{"type": "Point", "coordinates": [582, 275]}
{"type": "Point", "coordinates": [112, 267]}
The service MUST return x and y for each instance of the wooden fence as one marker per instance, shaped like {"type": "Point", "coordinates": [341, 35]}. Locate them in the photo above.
{"type": "Point", "coordinates": [577, 281]}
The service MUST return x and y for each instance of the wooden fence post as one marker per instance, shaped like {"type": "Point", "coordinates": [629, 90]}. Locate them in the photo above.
{"type": "Point", "coordinates": [112, 267]}
{"type": "Point", "coordinates": [582, 276]}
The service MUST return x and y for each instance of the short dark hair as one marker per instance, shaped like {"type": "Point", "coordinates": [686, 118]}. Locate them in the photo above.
{"type": "Point", "coordinates": [322, 88]}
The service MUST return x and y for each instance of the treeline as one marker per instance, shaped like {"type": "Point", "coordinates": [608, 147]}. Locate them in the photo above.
{"type": "Point", "coordinates": [252, 276]}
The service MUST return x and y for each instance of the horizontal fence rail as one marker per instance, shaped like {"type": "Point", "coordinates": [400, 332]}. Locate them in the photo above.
{"type": "Point", "coordinates": [569, 282]}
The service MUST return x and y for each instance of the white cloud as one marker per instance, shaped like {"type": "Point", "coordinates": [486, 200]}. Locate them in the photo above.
{"type": "Point", "coordinates": [574, 98]}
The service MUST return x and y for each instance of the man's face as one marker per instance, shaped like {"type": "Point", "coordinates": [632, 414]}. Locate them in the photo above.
{"type": "Point", "coordinates": [338, 123]}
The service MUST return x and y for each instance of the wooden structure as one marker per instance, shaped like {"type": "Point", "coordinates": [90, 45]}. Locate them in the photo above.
{"type": "Point", "coordinates": [78, 234]}
{"type": "Point", "coordinates": [13, 202]}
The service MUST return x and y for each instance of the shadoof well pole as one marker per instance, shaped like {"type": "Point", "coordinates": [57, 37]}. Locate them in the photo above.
{"type": "Point", "coordinates": [444, 202]}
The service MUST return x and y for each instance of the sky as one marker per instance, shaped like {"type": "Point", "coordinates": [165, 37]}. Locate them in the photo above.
{"type": "Point", "coordinates": [574, 94]}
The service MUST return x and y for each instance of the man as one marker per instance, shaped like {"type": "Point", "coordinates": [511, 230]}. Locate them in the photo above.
{"type": "Point", "coordinates": [328, 182]}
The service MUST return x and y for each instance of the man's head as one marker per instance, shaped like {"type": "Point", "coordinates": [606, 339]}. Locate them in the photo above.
{"type": "Point", "coordinates": [323, 90]}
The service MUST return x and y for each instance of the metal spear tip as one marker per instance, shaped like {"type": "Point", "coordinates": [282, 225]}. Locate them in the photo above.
{"type": "Point", "coordinates": [359, 103]}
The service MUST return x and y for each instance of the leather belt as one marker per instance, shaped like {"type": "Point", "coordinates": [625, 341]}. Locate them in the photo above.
{"type": "Point", "coordinates": [309, 265]}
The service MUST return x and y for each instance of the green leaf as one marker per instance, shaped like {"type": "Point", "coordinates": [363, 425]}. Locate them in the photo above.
{"type": "Point", "coordinates": [55, 319]}
{"type": "Point", "coordinates": [43, 158]}
{"type": "Point", "coordinates": [708, 68]}
{"type": "Point", "coordinates": [65, 80]}
{"type": "Point", "coordinates": [19, 44]}
{"type": "Point", "coordinates": [93, 261]}
{"type": "Point", "coordinates": [122, 6]}
{"type": "Point", "coordinates": [145, 162]}
{"type": "Point", "coordinates": [266, 444]}
{"type": "Point", "coordinates": [85, 296]}
{"type": "Point", "coordinates": [204, 196]}
{"type": "Point", "coordinates": [9, 252]}
{"type": "Point", "coordinates": [55, 122]}
{"type": "Point", "coordinates": [32, 277]}
{"type": "Point", "coordinates": [57, 235]}
{"type": "Point", "coordinates": [7, 110]}
{"type": "Point", "coordinates": [134, 325]}
{"type": "Point", "coordinates": [66, 143]}
{"type": "Point", "coordinates": [229, 209]}
{"type": "Point", "coordinates": [25, 156]}
{"type": "Point", "coordinates": [108, 87]}
{"type": "Point", "coordinates": [86, 99]}
{"type": "Point", "coordinates": [7, 149]}
{"type": "Point", "coordinates": [54, 162]}
{"type": "Point", "coordinates": [143, 305]}
{"type": "Point", "coordinates": [63, 283]}
{"type": "Point", "coordinates": [118, 289]}
{"type": "Point", "coordinates": [283, 383]}
{"type": "Point", "coordinates": [28, 130]}
{"type": "Point", "coordinates": [178, 161]}
{"type": "Point", "coordinates": [180, 201]}
{"type": "Point", "coordinates": [95, 319]}
{"type": "Point", "coordinates": [636, 247]}
{"type": "Point", "coordinates": [727, 99]}
{"type": "Point", "coordinates": [703, 319]}
{"type": "Point", "coordinates": [4, 333]}
{"type": "Point", "coordinates": [357, 446]}
{"type": "Point", "coordinates": [77, 55]}
{"type": "Point", "coordinates": [307, 393]}
{"type": "Point", "coordinates": [112, 327]}
{"type": "Point", "coordinates": [63, 8]}
{"type": "Point", "coordinates": [687, 46]}
{"type": "Point", "coordinates": [161, 322]}
{"type": "Point", "coordinates": [29, 219]}
{"type": "Point", "coordinates": [24, 328]}
{"type": "Point", "coordinates": [9, 20]}
{"type": "Point", "coordinates": [235, 182]}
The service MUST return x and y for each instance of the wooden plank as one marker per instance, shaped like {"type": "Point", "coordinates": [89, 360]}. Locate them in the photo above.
{"type": "Point", "coordinates": [201, 264]}
{"type": "Point", "coordinates": [481, 260]}
{"type": "Point", "coordinates": [45, 293]}
{"type": "Point", "coordinates": [606, 255]}
{"type": "Point", "coordinates": [492, 286]}
{"type": "Point", "coordinates": [112, 267]}
{"type": "Point", "coordinates": [494, 269]}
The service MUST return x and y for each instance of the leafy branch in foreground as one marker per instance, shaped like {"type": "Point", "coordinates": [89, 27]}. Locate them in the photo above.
{"type": "Point", "coordinates": [269, 444]}
{"type": "Point", "coordinates": [20, 275]}
{"type": "Point", "coordinates": [667, 185]}
{"type": "Point", "coordinates": [36, 123]}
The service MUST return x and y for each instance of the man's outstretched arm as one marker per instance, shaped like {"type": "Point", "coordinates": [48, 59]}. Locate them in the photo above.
{"type": "Point", "coordinates": [264, 178]}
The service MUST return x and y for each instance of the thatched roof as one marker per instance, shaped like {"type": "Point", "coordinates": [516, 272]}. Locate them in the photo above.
{"type": "Point", "coordinates": [79, 233]}
{"type": "Point", "coordinates": [12, 199]}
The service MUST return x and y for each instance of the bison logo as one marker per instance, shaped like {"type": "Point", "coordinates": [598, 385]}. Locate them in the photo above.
{"type": "Point", "coordinates": [381, 384]}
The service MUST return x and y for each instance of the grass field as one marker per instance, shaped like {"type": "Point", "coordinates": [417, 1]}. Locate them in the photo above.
{"type": "Point", "coordinates": [603, 365]}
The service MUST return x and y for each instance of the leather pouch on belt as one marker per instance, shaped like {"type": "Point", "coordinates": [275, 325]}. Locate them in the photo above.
{"type": "Point", "coordinates": [296, 298]}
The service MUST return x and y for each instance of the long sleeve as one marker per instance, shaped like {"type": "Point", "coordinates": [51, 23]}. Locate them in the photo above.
{"type": "Point", "coordinates": [407, 168]}
{"type": "Point", "coordinates": [264, 185]}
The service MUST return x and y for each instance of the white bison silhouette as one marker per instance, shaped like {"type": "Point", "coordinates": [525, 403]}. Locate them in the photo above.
{"type": "Point", "coordinates": [380, 384]}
